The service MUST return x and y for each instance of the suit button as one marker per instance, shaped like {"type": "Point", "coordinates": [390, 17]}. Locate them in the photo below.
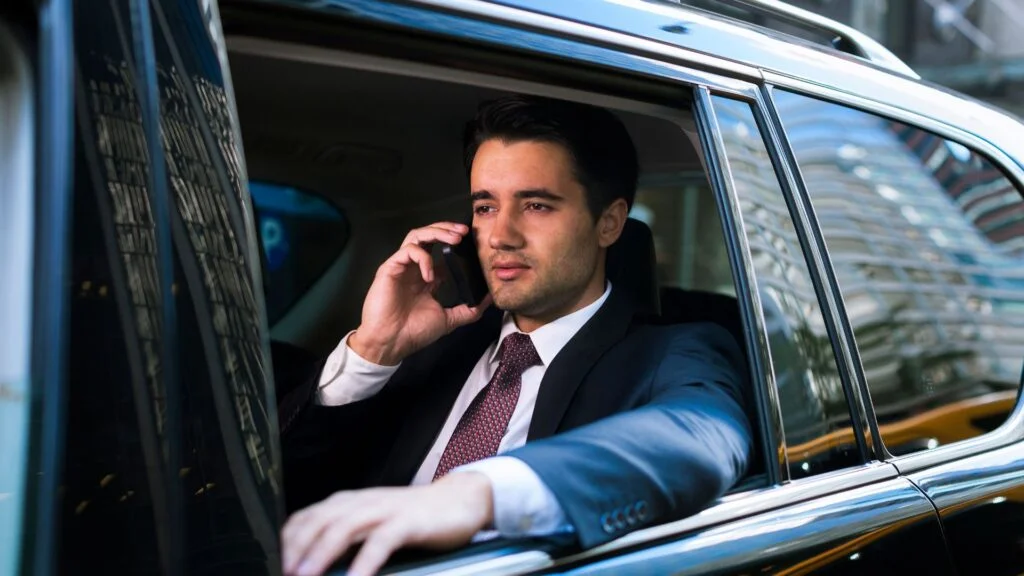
{"type": "Point", "coordinates": [641, 510]}
{"type": "Point", "coordinates": [619, 519]}
{"type": "Point", "coordinates": [606, 524]}
{"type": "Point", "coordinates": [631, 518]}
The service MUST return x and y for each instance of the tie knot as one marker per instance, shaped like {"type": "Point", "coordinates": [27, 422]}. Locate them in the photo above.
{"type": "Point", "coordinates": [518, 353]}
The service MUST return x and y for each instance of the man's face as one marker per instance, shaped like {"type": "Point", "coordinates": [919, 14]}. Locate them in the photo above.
{"type": "Point", "coordinates": [537, 240]}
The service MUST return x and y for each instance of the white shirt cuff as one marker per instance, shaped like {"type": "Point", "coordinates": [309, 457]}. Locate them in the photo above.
{"type": "Point", "coordinates": [348, 377]}
{"type": "Point", "coordinates": [523, 504]}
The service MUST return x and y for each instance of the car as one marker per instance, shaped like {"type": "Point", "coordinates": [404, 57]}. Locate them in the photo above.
{"type": "Point", "coordinates": [197, 195]}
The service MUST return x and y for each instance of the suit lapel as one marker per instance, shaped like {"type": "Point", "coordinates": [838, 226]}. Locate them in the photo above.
{"type": "Point", "coordinates": [452, 360]}
{"type": "Point", "coordinates": [575, 360]}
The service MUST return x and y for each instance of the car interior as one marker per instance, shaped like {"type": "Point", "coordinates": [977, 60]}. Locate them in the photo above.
{"type": "Point", "coordinates": [384, 151]}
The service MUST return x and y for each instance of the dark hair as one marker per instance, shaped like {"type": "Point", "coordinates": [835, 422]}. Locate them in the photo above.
{"type": "Point", "coordinates": [604, 159]}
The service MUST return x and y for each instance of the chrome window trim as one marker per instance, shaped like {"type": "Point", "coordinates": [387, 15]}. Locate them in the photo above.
{"type": "Point", "coordinates": [17, 217]}
{"type": "Point", "coordinates": [745, 277]}
{"type": "Point", "coordinates": [1012, 430]}
{"type": "Point", "coordinates": [746, 504]}
{"type": "Point", "coordinates": [730, 508]}
{"type": "Point", "coordinates": [848, 360]}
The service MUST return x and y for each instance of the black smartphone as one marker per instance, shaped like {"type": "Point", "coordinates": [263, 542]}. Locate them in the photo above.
{"type": "Point", "coordinates": [463, 265]}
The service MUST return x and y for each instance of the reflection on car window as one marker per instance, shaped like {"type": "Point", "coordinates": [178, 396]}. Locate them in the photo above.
{"type": "Point", "coordinates": [112, 500]}
{"type": "Point", "coordinates": [927, 240]}
{"type": "Point", "coordinates": [116, 487]}
{"type": "Point", "coordinates": [230, 469]}
{"type": "Point", "coordinates": [301, 234]}
{"type": "Point", "coordinates": [815, 413]}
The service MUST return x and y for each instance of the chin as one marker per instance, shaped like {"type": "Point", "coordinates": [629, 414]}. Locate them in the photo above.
{"type": "Point", "coordinates": [514, 302]}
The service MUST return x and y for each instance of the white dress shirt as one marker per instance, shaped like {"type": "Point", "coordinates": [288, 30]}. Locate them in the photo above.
{"type": "Point", "coordinates": [523, 505]}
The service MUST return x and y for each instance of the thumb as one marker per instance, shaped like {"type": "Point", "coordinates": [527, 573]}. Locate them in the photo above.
{"type": "Point", "coordinates": [463, 314]}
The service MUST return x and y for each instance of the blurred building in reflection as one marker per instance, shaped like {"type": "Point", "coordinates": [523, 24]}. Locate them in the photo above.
{"type": "Point", "coordinates": [926, 238]}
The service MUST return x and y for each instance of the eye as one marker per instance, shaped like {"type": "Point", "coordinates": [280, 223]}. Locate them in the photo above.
{"type": "Point", "coordinates": [537, 207]}
{"type": "Point", "coordinates": [483, 209]}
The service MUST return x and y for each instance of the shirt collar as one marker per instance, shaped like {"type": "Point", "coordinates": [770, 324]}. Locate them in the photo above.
{"type": "Point", "coordinates": [550, 338]}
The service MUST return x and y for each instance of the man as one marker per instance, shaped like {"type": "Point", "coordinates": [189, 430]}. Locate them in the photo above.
{"type": "Point", "coordinates": [627, 424]}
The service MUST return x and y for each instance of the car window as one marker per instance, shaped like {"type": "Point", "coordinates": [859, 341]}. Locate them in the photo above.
{"type": "Point", "coordinates": [230, 469]}
{"type": "Point", "coordinates": [680, 209]}
{"type": "Point", "coordinates": [293, 222]}
{"type": "Point", "coordinates": [926, 237]}
{"type": "Point", "coordinates": [112, 484]}
{"type": "Point", "coordinates": [815, 413]}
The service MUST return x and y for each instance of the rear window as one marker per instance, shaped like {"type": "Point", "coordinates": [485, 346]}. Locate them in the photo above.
{"type": "Point", "coordinates": [302, 234]}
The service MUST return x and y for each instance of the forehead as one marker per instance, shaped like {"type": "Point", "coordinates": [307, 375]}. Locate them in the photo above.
{"type": "Point", "coordinates": [508, 166]}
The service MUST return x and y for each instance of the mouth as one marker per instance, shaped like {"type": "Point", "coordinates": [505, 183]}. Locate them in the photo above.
{"type": "Point", "coordinates": [507, 271]}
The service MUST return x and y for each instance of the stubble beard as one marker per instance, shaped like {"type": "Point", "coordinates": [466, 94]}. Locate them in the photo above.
{"type": "Point", "coordinates": [548, 294]}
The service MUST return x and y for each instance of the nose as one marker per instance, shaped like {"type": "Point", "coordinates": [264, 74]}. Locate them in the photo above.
{"type": "Point", "coordinates": [503, 231]}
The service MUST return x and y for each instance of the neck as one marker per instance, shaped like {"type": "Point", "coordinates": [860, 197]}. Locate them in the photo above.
{"type": "Point", "coordinates": [529, 322]}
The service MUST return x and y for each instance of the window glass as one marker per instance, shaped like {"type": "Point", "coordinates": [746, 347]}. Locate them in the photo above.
{"type": "Point", "coordinates": [815, 413]}
{"type": "Point", "coordinates": [927, 241]}
{"type": "Point", "coordinates": [116, 487]}
{"type": "Point", "coordinates": [230, 470]}
{"type": "Point", "coordinates": [301, 235]}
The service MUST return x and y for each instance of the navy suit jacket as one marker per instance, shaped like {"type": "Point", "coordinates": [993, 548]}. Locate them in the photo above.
{"type": "Point", "coordinates": [635, 424]}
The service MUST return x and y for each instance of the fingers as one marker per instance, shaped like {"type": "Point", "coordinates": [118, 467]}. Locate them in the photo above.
{"type": "Point", "coordinates": [449, 232]}
{"type": "Point", "coordinates": [462, 314]}
{"type": "Point", "coordinates": [379, 546]}
{"type": "Point", "coordinates": [314, 538]}
{"type": "Point", "coordinates": [413, 254]}
{"type": "Point", "coordinates": [333, 542]}
{"type": "Point", "coordinates": [298, 534]}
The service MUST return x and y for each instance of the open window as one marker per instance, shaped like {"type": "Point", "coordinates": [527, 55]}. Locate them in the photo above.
{"type": "Point", "coordinates": [382, 141]}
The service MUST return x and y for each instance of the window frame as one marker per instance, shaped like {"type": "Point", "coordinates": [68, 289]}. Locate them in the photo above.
{"type": "Point", "coordinates": [812, 254]}
{"type": "Point", "coordinates": [1012, 430]}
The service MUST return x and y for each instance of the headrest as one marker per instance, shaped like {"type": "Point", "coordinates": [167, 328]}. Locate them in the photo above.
{"type": "Point", "coordinates": [633, 267]}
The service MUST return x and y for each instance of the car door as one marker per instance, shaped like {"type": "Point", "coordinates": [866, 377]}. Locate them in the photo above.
{"type": "Point", "coordinates": [934, 297]}
{"type": "Point", "coordinates": [829, 504]}
{"type": "Point", "coordinates": [152, 439]}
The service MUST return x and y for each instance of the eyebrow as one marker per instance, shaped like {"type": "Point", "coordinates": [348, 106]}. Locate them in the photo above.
{"type": "Point", "coordinates": [533, 193]}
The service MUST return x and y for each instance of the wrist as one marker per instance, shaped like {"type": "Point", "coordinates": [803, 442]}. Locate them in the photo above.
{"type": "Point", "coordinates": [476, 491]}
{"type": "Point", "coordinates": [373, 350]}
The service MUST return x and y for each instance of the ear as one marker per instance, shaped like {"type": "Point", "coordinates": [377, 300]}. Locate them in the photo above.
{"type": "Point", "coordinates": [611, 221]}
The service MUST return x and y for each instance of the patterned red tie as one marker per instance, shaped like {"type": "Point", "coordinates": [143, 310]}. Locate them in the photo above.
{"type": "Point", "coordinates": [482, 426]}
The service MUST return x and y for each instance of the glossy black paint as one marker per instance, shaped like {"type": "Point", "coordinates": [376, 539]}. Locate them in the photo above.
{"type": "Point", "coordinates": [981, 503]}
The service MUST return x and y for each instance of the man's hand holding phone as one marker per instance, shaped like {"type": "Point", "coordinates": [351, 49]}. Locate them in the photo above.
{"type": "Point", "coordinates": [400, 314]}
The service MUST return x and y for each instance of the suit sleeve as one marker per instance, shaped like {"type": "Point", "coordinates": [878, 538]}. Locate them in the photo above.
{"type": "Point", "coordinates": [664, 460]}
